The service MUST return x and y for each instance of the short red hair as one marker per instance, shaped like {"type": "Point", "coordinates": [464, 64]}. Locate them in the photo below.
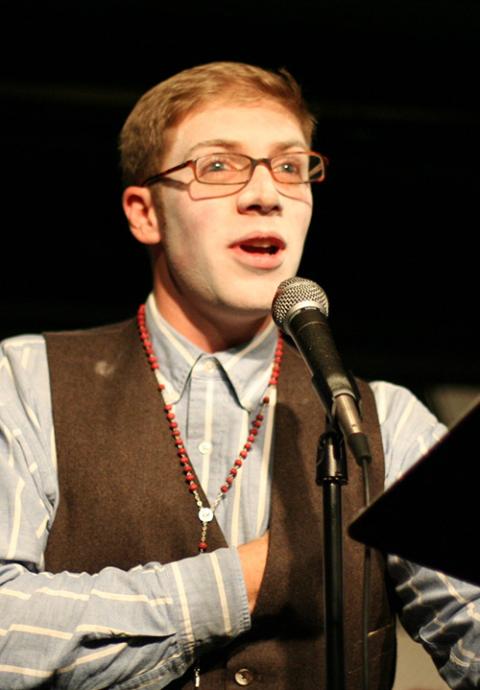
{"type": "Point", "coordinates": [142, 139]}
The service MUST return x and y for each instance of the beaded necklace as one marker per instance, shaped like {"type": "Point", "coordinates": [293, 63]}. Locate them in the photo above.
{"type": "Point", "coordinates": [206, 513]}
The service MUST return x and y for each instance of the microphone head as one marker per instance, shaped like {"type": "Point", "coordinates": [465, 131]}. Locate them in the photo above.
{"type": "Point", "coordinates": [295, 294]}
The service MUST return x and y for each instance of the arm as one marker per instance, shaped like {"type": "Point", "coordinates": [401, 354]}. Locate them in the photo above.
{"type": "Point", "coordinates": [441, 613]}
{"type": "Point", "coordinates": [253, 558]}
{"type": "Point", "coordinates": [113, 628]}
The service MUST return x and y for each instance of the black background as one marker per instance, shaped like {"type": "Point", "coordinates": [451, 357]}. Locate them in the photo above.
{"type": "Point", "coordinates": [394, 236]}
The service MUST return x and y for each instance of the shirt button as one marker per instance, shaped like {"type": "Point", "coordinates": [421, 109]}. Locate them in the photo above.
{"type": "Point", "coordinates": [209, 365]}
{"type": "Point", "coordinates": [205, 447]}
{"type": "Point", "coordinates": [244, 676]}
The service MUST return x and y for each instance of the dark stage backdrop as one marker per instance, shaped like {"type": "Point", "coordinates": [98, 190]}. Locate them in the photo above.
{"type": "Point", "coordinates": [393, 237]}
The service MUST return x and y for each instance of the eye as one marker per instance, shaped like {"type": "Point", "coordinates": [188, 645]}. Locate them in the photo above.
{"type": "Point", "coordinates": [208, 165]}
{"type": "Point", "coordinates": [290, 168]}
{"type": "Point", "coordinates": [216, 166]}
{"type": "Point", "coordinates": [288, 165]}
{"type": "Point", "coordinates": [218, 162]}
{"type": "Point", "coordinates": [221, 167]}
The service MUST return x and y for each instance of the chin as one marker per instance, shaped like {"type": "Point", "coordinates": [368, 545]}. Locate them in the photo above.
{"type": "Point", "coordinates": [248, 311]}
{"type": "Point", "coordinates": [258, 302]}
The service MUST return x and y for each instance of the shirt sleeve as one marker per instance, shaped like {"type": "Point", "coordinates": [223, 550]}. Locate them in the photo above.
{"type": "Point", "coordinates": [124, 630]}
{"type": "Point", "coordinates": [440, 612]}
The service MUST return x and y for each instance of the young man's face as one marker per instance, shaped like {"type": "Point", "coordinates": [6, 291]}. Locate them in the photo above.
{"type": "Point", "coordinates": [225, 256]}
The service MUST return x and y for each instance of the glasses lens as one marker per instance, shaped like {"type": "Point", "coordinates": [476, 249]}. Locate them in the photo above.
{"type": "Point", "coordinates": [316, 168]}
{"type": "Point", "coordinates": [223, 168]}
{"type": "Point", "coordinates": [297, 167]}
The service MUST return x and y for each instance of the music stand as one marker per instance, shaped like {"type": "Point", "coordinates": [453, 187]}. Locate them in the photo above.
{"type": "Point", "coordinates": [430, 515]}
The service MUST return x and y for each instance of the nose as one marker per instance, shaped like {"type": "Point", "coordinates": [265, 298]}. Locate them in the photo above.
{"type": "Point", "coordinates": [260, 195]}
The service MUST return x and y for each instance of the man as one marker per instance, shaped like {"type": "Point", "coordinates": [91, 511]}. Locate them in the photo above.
{"type": "Point", "coordinates": [144, 552]}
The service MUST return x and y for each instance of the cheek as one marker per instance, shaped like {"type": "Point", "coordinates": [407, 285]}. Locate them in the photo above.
{"type": "Point", "coordinates": [189, 244]}
{"type": "Point", "coordinates": [300, 207]}
{"type": "Point", "coordinates": [303, 219]}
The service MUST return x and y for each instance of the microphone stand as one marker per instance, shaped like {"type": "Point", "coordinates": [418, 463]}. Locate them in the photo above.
{"type": "Point", "coordinates": [332, 475]}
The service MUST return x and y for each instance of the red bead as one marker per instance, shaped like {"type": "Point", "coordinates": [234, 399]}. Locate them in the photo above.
{"type": "Point", "coordinates": [203, 546]}
{"type": "Point", "coordinates": [173, 425]}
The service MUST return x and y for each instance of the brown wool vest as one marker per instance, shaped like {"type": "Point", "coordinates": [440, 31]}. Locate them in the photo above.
{"type": "Point", "coordinates": [123, 503]}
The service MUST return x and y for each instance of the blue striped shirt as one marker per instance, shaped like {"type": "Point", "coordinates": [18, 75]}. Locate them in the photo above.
{"type": "Point", "coordinates": [48, 621]}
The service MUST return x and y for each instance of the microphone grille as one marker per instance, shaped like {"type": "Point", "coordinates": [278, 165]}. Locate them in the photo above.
{"type": "Point", "coordinates": [293, 292]}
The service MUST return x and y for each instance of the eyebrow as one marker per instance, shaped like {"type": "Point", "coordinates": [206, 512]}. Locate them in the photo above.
{"type": "Point", "coordinates": [235, 145]}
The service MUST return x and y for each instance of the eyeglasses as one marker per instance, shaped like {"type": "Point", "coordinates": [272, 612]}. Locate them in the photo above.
{"type": "Point", "coordinates": [223, 168]}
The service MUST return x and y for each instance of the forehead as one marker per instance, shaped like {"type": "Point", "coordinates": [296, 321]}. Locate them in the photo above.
{"type": "Point", "coordinates": [264, 124]}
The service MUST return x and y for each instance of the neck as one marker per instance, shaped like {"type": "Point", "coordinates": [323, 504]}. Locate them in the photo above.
{"type": "Point", "coordinates": [210, 334]}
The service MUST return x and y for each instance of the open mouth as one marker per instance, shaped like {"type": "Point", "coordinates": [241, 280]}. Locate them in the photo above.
{"type": "Point", "coordinates": [261, 245]}
{"type": "Point", "coordinates": [259, 249]}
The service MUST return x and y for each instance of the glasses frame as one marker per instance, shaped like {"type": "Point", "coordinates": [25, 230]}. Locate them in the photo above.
{"type": "Point", "coordinates": [267, 162]}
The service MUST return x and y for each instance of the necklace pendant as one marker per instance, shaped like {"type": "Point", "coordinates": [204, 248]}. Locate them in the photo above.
{"type": "Point", "coordinates": [205, 514]}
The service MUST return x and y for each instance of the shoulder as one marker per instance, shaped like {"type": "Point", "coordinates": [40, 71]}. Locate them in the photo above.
{"type": "Point", "coordinates": [25, 409]}
{"type": "Point", "coordinates": [87, 345]}
{"type": "Point", "coordinates": [23, 364]}
{"type": "Point", "coordinates": [96, 333]}
{"type": "Point", "coordinates": [19, 343]}
{"type": "Point", "coordinates": [408, 428]}
{"type": "Point", "coordinates": [398, 405]}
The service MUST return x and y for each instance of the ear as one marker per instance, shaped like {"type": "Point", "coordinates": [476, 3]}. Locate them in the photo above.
{"type": "Point", "coordinates": [141, 214]}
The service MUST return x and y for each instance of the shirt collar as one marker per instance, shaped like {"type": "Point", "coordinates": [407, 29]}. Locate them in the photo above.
{"type": "Point", "coordinates": [247, 366]}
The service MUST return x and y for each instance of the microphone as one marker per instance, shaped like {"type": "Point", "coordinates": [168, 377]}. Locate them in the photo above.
{"type": "Point", "coordinates": [300, 309]}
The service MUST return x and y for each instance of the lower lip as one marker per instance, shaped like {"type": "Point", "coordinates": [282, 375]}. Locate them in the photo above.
{"type": "Point", "coordinates": [258, 259]}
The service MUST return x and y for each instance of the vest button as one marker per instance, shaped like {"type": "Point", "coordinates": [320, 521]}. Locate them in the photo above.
{"type": "Point", "coordinates": [244, 676]}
